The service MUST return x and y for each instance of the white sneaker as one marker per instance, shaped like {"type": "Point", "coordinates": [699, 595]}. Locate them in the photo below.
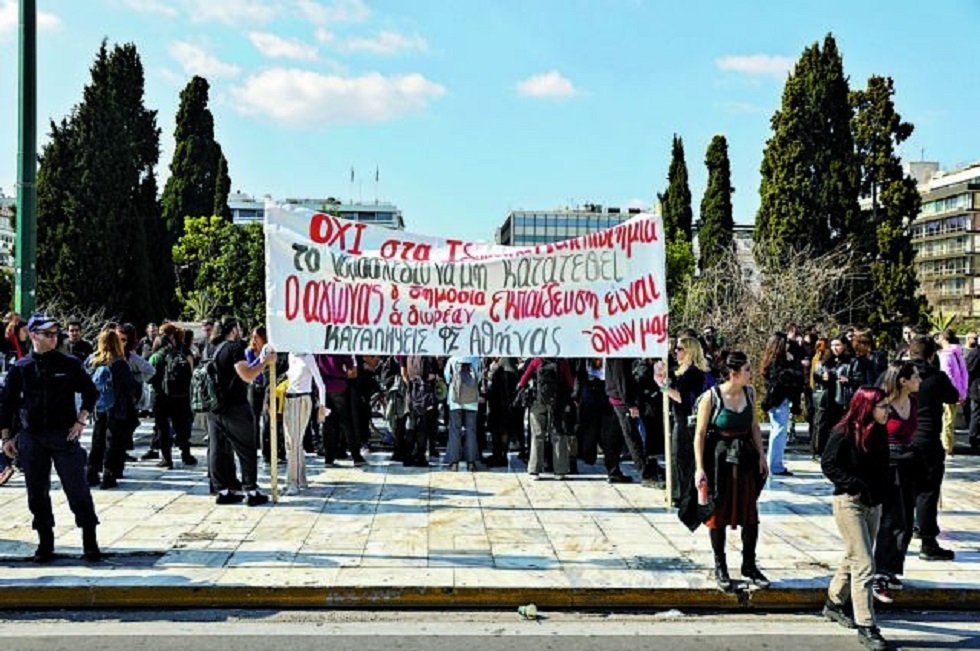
{"type": "Point", "coordinates": [292, 490]}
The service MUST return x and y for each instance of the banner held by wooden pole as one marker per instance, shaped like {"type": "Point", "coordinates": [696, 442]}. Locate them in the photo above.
{"type": "Point", "coordinates": [273, 436]}
{"type": "Point", "coordinates": [668, 449]}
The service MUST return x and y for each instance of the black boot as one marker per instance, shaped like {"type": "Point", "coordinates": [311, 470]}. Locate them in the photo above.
{"type": "Point", "coordinates": [45, 547]}
{"type": "Point", "coordinates": [721, 574]}
{"type": "Point", "coordinates": [752, 574]}
{"type": "Point", "coordinates": [92, 477]}
{"type": "Point", "coordinates": [166, 460]}
{"type": "Point", "coordinates": [108, 481]}
{"type": "Point", "coordinates": [90, 545]}
{"type": "Point", "coordinates": [186, 457]}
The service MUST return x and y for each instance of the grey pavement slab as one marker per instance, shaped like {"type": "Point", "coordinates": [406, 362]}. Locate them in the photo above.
{"type": "Point", "coordinates": [384, 525]}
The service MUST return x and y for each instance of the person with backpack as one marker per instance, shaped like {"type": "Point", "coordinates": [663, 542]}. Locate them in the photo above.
{"type": "Point", "coordinates": [234, 430]}
{"type": "Point", "coordinates": [784, 387]}
{"type": "Point", "coordinates": [463, 399]}
{"type": "Point", "coordinates": [396, 404]}
{"type": "Point", "coordinates": [172, 385]}
{"type": "Point", "coordinates": [730, 470]}
{"type": "Point", "coordinates": [420, 375]}
{"type": "Point", "coordinates": [114, 409]}
{"type": "Point", "coordinates": [40, 394]}
{"type": "Point", "coordinates": [953, 364]}
{"type": "Point", "coordinates": [553, 384]}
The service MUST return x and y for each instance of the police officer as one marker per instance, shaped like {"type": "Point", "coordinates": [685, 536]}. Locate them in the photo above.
{"type": "Point", "coordinates": [41, 388]}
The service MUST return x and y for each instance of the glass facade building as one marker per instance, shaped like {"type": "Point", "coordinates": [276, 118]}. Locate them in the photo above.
{"type": "Point", "coordinates": [530, 227]}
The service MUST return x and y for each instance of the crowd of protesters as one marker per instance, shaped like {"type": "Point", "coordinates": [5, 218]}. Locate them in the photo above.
{"type": "Point", "coordinates": [881, 429]}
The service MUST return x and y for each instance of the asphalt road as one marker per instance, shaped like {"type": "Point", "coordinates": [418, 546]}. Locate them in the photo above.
{"type": "Point", "coordinates": [483, 631]}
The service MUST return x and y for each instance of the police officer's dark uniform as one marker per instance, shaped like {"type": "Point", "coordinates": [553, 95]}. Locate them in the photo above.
{"type": "Point", "coordinates": [41, 390]}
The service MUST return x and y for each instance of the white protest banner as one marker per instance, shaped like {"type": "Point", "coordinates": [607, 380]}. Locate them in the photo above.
{"type": "Point", "coordinates": [337, 286]}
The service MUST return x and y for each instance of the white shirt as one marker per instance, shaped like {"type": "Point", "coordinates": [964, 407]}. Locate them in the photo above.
{"type": "Point", "coordinates": [302, 374]}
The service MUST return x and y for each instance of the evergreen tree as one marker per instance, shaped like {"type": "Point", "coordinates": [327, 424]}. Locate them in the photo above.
{"type": "Point", "coordinates": [222, 187]}
{"type": "Point", "coordinates": [97, 194]}
{"type": "Point", "coordinates": [716, 227]}
{"type": "Point", "coordinates": [678, 215]}
{"type": "Point", "coordinates": [810, 174]}
{"type": "Point", "coordinates": [193, 185]}
{"type": "Point", "coordinates": [895, 201]}
{"type": "Point", "coordinates": [198, 175]}
{"type": "Point", "coordinates": [675, 204]}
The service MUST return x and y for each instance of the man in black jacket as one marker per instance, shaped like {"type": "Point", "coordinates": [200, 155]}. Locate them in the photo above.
{"type": "Point", "coordinates": [41, 390]}
{"type": "Point", "coordinates": [624, 397]}
{"type": "Point", "coordinates": [973, 369]}
{"type": "Point", "coordinates": [935, 390]}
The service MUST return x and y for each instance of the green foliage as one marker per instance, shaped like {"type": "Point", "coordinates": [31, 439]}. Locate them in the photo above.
{"type": "Point", "coordinates": [6, 289]}
{"type": "Point", "coordinates": [878, 130]}
{"type": "Point", "coordinates": [222, 187]}
{"type": "Point", "coordinates": [810, 174]}
{"type": "Point", "coordinates": [717, 225]}
{"type": "Point", "coordinates": [97, 196]}
{"type": "Point", "coordinates": [221, 269]}
{"type": "Point", "coordinates": [676, 201]}
{"type": "Point", "coordinates": [676, 205]}
{"type": "Point", "coordinates": [939, 320]}
{"type": "Point", "coordinates": [198, 185]}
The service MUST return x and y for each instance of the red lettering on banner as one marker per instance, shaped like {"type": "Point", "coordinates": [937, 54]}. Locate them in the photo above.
{"type": "Point", "coordinates": [292, 297]}
{"type": "Point", "coordinates": [435, 297]}
{"type": "Point", "coordinates": [332, 231]}
{"type": "Point", "coordinates": [546, 303]}
{"type": "Point", "coordinates": [653, 328]}
{"type": "Point", "coordinates": [635, 296]}
{"type": "Point", "coordinates": [412, 251]}
{"type": "Point", "coordinates": [342, 303]}
{"type": "Point", "coordinates": [448, 316]}
{"type": "Point", "coordinates": [606, 341]}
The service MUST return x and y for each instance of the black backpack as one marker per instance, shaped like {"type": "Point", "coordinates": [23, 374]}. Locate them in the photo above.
{"type": "Point", "coordinates": [176, 381]}
{"type": "Point", "coordinates": [421, 396]}
{"type": "Point", "coordinates": [547, 383]}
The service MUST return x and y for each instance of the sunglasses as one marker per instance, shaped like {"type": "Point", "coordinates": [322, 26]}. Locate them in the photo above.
{"type": "Point", "coordinates": [48, 333]}
{"type": "Point", "coordinates": [680, 349]}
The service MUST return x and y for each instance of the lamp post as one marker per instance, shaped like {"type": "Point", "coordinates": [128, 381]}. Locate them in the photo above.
{"type": "Point", "coordinates": [25, 282]}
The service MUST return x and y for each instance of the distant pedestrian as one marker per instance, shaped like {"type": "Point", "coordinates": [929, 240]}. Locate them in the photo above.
{"type": "Point", "coordinates": [40, 390]}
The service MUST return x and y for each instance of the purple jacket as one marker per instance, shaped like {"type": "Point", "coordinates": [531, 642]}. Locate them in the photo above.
{"type": "Point", "coordinates": [333, 369]}
{"type": "Point", "coordinates": [952, 364]}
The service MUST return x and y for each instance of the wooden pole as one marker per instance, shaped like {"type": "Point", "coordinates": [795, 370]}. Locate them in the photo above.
{"type": "Point", "coordinates": [273, 436]}
{"type": "Point", "coordinates": [668, 449]}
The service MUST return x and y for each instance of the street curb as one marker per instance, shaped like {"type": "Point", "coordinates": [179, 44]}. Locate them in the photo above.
{"type": "Point", "coordinates": [393, 598]}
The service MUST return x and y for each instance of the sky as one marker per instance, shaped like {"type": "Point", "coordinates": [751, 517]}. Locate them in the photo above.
{"type": "Point", "coordinates": [466, 110]}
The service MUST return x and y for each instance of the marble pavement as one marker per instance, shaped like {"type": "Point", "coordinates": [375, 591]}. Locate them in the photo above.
{"type": "Point", "coordinates": [388, 536]}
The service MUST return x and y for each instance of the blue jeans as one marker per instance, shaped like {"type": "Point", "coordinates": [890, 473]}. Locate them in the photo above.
{"type": "Point", "coordinates": [462, 419]}
{"type": "Point", "coordinates": [779, 420]}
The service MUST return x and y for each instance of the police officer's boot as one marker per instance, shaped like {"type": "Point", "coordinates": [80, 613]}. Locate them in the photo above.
{"type": "Point", "coordinates": [90, 545]}
{"type": "Point", "coordinates": [45, 548]}
{"type": "Point", "coordinates": [186, 457]}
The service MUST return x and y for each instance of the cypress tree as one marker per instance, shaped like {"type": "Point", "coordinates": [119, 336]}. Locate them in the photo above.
{"type": "Point", "coordinates": [717, 226]}
{"type": "Point", "coordinates": [222, 187]}
{"type": "Point", "coordinates": [678, 220]}
{"type": "Point", "coordinates": [895, 201]}
{"type": "Point", "coordinates": [810, 175]}
{"type": "Point", "coordinates": [192, 187]}
{"type": "Point", "coordinates": [97, 193]}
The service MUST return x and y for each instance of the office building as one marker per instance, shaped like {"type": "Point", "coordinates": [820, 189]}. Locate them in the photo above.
{"type": "Point", "coordinates": [946, 238]}
{"type": "Point", "coordinates": [530, 227]}
{"type": "Point", "coordinates": [246, 209]}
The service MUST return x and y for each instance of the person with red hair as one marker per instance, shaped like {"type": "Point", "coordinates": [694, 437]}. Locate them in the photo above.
{"type": "Point", "coordinates": [856, 460]}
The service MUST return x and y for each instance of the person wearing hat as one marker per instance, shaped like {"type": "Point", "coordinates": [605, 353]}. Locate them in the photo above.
{"type": "Point", "coordinates": [41, 389]}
